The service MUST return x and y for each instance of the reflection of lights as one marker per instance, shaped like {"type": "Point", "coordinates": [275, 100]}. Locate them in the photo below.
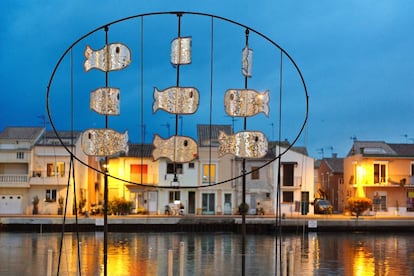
{"type": "Point", "coordinates": [363, 263]}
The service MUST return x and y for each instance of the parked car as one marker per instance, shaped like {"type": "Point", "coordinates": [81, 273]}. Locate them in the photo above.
{"type": "Point", "coordinates": [323, 206]}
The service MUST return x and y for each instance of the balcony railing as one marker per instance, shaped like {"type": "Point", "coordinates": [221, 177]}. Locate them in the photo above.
{"type": "Point", "coordinates": [393, 180]}
{"type": "Point", "coordinates": [13, 181]}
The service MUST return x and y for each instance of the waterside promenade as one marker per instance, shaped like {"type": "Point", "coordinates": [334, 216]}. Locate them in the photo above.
{"type": "Point", "coordinates": [204, 223]}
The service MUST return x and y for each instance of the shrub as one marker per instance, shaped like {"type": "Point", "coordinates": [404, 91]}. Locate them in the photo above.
{"type": "Point", "coordinates": [119, 206]}
{"type": "Point", "coordinates": [358, 205]}
{"type": "Point", "coordinates": [243, 208]}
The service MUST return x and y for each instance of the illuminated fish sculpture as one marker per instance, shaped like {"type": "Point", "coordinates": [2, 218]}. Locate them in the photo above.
{"type": "Point", "coordinates": [104, 142]}
{"type": "Point", "coordinates": [105, 101]}
{"type": "Point", "coordinates": [247, 62]}
{"type": "Point", "coordinates": [180, 149]}
{"type": "Point", "coordinates": [176, 100]}
{"type": "Point", "coordinates": [246, 102]}
{"type": "Point", "coordinates": [181, 51]}
{"type": "Point", "coordinates": [244, 144]}
{"type": "Point", "coordinates": [115, 56]}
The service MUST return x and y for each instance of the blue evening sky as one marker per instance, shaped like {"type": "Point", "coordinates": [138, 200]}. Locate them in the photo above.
{"type": "Point", "coordinates": [356, 58]}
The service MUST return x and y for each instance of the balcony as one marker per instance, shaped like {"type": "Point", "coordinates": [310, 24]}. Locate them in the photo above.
{"type": "Point", "coordinates": [392, 181]}
{"type": "Point", "coordinates": [14, 181]}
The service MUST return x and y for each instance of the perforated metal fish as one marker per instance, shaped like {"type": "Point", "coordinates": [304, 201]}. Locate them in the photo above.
{"type": "Point", "coordinates": [244, 144]}
{"type": "Point", "coordinates": [180, 149]}
{"type": "Point", "coordinates": [246, 102]}
{"type": "Point", "coordinates": [176, 100]}
{"type": "Point", "coordinates": [104, 142]}
{"type": "Point", "coordinates": [181, 51]}
{"type": "Point", "coordinates": [105, 100]}
{"type": "Point", "coordinates": [115, 56]}
{"type": "Point", "coordinates": [247, 62]}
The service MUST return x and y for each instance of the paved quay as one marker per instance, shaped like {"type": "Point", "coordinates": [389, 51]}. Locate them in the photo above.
{"type": "Point", "coordinates": [205, 223]}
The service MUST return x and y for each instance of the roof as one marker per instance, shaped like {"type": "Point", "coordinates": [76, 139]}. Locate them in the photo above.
{"type": "Point", "coordinates": [21, 133]}
{"type": "Point", "coordinates": [51, 139]}
{"type": "Point", "coordinates": [205, 138]}
{"type": "Point", "coordinates": [335, 164]}
{"type": "Point", "coordinates": [139, 150]}
{"type": "Point", "coordinates": [380, 148]}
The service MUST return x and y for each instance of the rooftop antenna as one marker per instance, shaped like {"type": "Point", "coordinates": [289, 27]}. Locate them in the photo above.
{"type": "Point", "coordinates": [354, 138]}
{"type": "Point", "coordinates": [331, 149]}
{"type": "Point", "coordinates": [406, 137]}
{"type": "Point", "coordinates": [321, 151]}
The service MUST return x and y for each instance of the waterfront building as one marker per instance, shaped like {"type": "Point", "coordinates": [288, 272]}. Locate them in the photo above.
{"type": "Point", "coordinates": [35, 171]}
{"type": "Point", "coordinates": [383, 172]}
{"type": "Point", "coordinates": [330, 178]}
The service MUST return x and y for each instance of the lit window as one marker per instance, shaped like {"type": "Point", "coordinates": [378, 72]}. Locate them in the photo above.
{"type": "Point", "coordinates": [209, 173]}
{"type": "Point", "coordinates": [380, 173]}
{"type": "Point", "coordinates": [55, 170]}
{"type": "Point", "coordinates": [50, 195]}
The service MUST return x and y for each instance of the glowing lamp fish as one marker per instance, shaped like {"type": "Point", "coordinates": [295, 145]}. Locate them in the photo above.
{"type": "Point", "coordinates": [244, 144]}
{"type": "Point", "coordinates": [181, 51]}
{"type": "Point", "coordinates": [176, 100]}
{"type": "Point", "coordinates": [115, 56]}
{"type": "Point", "coordinates": [104, 142]}
{"type": "Point", "coordinates": [246, 102]}
{"type": "Point", "coordinates": [105, 101]}
{"type": "Point", "coordinates": [179, 149]}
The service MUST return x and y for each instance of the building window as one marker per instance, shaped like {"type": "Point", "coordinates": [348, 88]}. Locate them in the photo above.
{"type": "Point", "coordinates": [178, 168]}
{"type": "Point", "coordinates": [138, 173]}
{"type": "Point", "coordinates": [209, 173]}
{"type": "Point", "coordinates": [380, 173]}
{"type": "Point", "coordinates": [50, 195]}
{"type": "Point", "coordinates": [287, 197]}
{"type": "Point", "coordinates": [412, 168]}
{"type": "Point", "coordinates": [255, 173]}
{"type": "Point", "coordinates": [379, 202]}
{"type": "Point", "coordinates": [20, 155]}
{"type": "Point", "coordinates": [191, 165]}
{"type": "Point", "coordinates": [55, 169]}
{"type": "Point", "coordinates": [174, 196]}
{"type": "Point", "coordinates": [288, 170]}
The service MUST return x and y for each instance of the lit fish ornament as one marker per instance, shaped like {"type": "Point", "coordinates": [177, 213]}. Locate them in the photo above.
{"type": "Point", "coordinates": [244, 144]}
{"type": "Point", "coordinates": [180, 149]}
{"type": "Point", "coordinates": [246, 102]}
{"type": "Point", "coordinates": [181, 51]}
{"type": "Point", "coordinates": [105, 101]}
{"type": "Point", "coordinates": [115, 56]}
{"type": "Point", "coordinates": [176, 100]}
{"type": "Point", "coordinates": [104, 142]}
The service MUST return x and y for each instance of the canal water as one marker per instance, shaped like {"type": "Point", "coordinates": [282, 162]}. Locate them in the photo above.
{"type": "Point", "coordinates": [207, 254]}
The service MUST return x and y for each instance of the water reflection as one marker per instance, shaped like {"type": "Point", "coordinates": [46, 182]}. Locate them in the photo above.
{"type": "Point", "coordinates": [209, 254]}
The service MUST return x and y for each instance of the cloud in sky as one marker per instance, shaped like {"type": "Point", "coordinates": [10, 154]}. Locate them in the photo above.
{"type": "Point", "coordinates": [356, 58]}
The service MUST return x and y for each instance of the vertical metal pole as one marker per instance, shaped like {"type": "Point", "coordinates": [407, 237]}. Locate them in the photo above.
{"type": "Point", "coordinates": [105, 255]}
{"type": "Point", "coordinates": [244, 185]}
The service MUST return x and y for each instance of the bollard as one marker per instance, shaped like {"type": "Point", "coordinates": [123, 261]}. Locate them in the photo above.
{"type": "Point", "coordinates": [170, 262]}
{"type": "Point", "coordinates": [181, 258]}
{"type": "Point", "coordinates": [49, 262]}
{"type": "Point", "coordinates": [291, 263]}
